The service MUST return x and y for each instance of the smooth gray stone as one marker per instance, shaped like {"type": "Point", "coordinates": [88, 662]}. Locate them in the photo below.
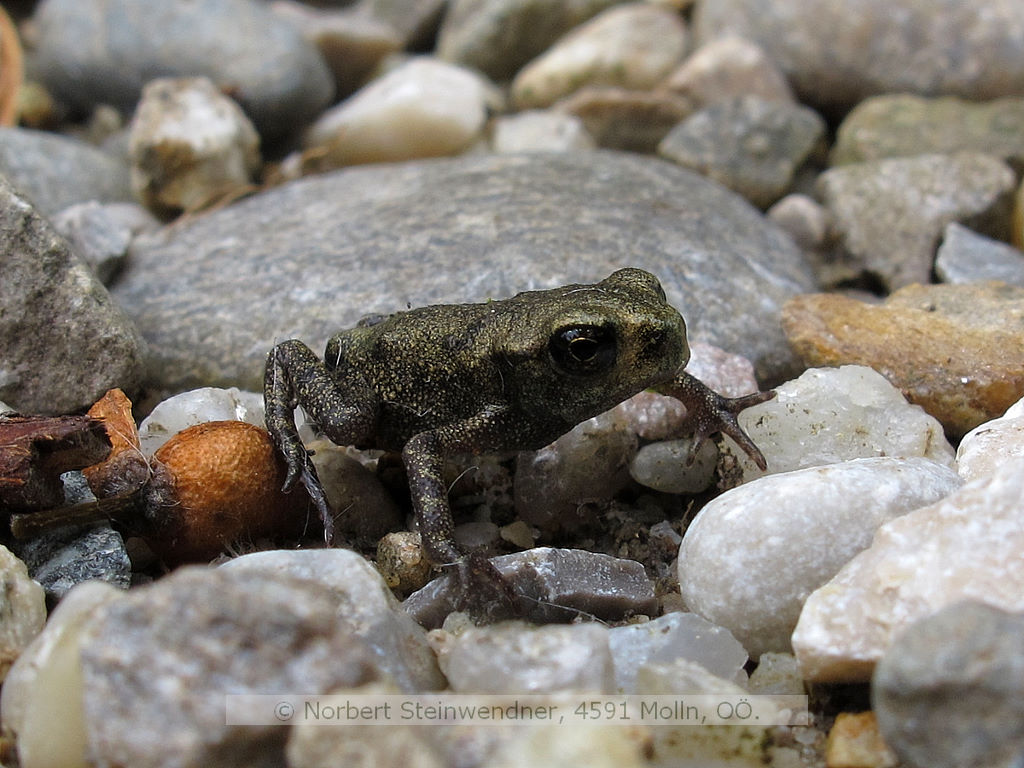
{"type": "Point", "coordinates": [967, 257]}
{"type": "Point", "coordinates": [91, 52]}
{"type": "Point", "coordinates": [752, 146]}
{"type": "Point", "coordinates": [949, 692]}
{"type": "Point", "coordinates": [553, 586]}
{"type": "Point", "coordinates": [835, 53]}
{"type": "Point", "coordinates": [55, 171]}
{"type": "Point", "coordinates": [311, 257]}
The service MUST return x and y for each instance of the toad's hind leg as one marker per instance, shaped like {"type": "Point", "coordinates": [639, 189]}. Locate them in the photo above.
{"type": "Point", "coordinates": [481, 589]}
{"type": "Point", "coordinates": [347, 414]}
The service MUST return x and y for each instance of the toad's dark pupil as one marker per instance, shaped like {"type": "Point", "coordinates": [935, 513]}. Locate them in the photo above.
{"type": "Point", "coordinates": [583, 349]}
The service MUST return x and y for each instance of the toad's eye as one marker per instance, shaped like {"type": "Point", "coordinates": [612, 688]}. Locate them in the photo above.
{"type": "Point", "coordinates": [583, 349]}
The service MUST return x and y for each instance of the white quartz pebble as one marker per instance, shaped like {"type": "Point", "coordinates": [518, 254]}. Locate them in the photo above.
{"type": "Point", "coordinates": [828, 415]}
{"type": "Point", "coordinates": [424, 108]}
{"type": "Point", "coordinates": [753, 555]}
{"type": "Point", "coordinates": [198, 406]}
{"type": "Point", "coordinates": [986, 448]}
{"type": "Point", "coordinates": [965, 547]}
{"type": "Point", "coordinates": [633, 46]}
{"type": "Point", "coordinates": [190, 144]}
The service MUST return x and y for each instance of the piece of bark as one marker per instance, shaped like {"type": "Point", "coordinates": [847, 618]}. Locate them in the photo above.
{"type": "Point", "coordinates": [36, 450]}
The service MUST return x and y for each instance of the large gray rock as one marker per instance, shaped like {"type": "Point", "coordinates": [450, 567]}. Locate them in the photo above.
{"type": "Point", "coordinates": [311, 257]}
{"type": "Point", "coordinates": [64, 343]}
{"type": "Point", "coordinates": [928, 47]}
{"type": "Point", "coordinates": [56, 171]}
{"type": "Point", "coordinates": [104, 51]}
{"type": "Point", "coordinates": [950, 690]}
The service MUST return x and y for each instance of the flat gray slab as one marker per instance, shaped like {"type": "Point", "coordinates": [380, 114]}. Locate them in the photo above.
{"type": "Point", "coordinates": [306, 259]}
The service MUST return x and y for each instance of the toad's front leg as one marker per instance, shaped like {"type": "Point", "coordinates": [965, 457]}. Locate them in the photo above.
{"type": "Point", "coordinates": [483, 591]}
{"type": "Point", "coordinates": [345, 413]}
{"type": "Point", "coordinates": [708, 412]}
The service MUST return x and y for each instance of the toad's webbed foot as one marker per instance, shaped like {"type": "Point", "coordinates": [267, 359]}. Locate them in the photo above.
{"type": "Point", "coordinates": [311, 482]}
{"type": "Point", "coordinates": [483, 592]}
{"type": "Point", "coordinates": [709, 412]}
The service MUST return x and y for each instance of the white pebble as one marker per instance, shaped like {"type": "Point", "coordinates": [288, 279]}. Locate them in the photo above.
{"type": "Point", "coordinates": [424, 108]}
{"type": "Point", "coordinates": [670, 637]}
{"type": "Point", "coordinates": [518, 658]}
{"type": "Point", "coordinates": [632, 46]}
{"type": "Point", "coordinates": [829, 415]}
{"type": "Point", "coordinates": [752, 556]}
{"type": "Point", "coordinates": [189, 144]}
{"type": "Point", "coordinates": [198, 406]}
{"type": "Point", "coordinates": [540, 131]}
{"type": "Point", "coordinates": [44, 686]}
{"type": "Point", "coordinates": [965, 547]}
{"type": "Point", "coordinates": [663, 466]}
{"type": "Point", "coordinates": [22, 609]}
{"type": "Point", "coordinates": [987, 447]}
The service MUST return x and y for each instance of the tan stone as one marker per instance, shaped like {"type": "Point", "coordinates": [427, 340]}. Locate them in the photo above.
{"type": "Point", "coordinates": [633, 46]}
{"type": "Point", "coordinates": [726, 67]}
{"type": "Point", "coordinates": [618, 118]}
{"type": "Point", "coordinates": [966, 546]}
{"type": "Point", "coordinates": [955, 350]}
{"type": "Point", "coordinates": [854, 742]}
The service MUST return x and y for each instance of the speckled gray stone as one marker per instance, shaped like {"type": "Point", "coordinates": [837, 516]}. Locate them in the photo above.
{"type": "Point", "coordinates": [55, 171]}
{"type": "Point", "coordinates": [278, 77]}
{"type": "Point", "coordinates": [836, 52]}
{"type": "Point", "coordinates": [889, 214]}
{"type": "Point", "coordinates": [157, 663]}
{"type": "Point", "coordinates": [363, 605]}
{"type": "Point", "coordinates": [64, 342]}
{"type": "Point", "coordinates": [309, 258]}
{"type": "Point", "coordinates": [60, 559]}
{"type": "Point", "coordinates": [751, 145]}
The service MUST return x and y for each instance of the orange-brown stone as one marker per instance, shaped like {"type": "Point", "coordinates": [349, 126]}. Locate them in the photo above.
{"type": "Point", "coordinates": [955, 350]}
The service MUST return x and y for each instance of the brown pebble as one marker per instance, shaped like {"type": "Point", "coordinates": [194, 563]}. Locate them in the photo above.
{"type": "Point", "coordinates": [854, 742]}
{"type": "Point", "coordinates": [955, 350]}
{"type": "Point", "coordinates": [402, 562]}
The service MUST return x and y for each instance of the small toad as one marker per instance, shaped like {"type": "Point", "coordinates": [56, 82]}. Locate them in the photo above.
{"type": "Point", "coordinates": [495, 377]}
